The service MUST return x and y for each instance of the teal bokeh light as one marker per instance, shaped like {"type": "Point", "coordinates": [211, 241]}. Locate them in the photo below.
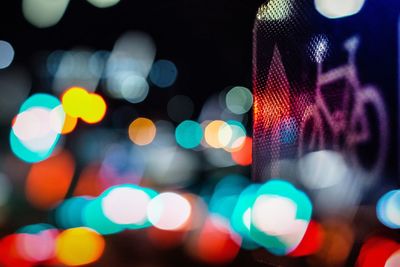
{"type": "Point", "coordinates": [94, 218]}
{"type": "Point", "coordinates": [70, 213]}
{"type": "Point", "coordinates": [226, 195]}
{"type": "Point", "coordinates": [189, 134]}
{"type": "Point", "coordinates": [241, 216]}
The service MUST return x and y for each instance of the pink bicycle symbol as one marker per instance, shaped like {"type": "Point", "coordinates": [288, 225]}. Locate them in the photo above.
{"type": "Point", "coordinates": [356, 125]}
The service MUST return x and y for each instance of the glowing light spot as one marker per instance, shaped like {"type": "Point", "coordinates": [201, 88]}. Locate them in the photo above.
{"type": "Point", "coordinates": [388, 209]}
{"type": "Point", "coordinates": [134, 88]}
{"type": "Point", "coordinates": [169, 211]}
{"type": "Point", "coordinates": [334, 9]}
{"type": "Point", "coordinates": [280, 216]}
{"type": "Point", "coordinates": [163, 73]}
{"type": "Point", "coordinates": [226, 194]}
{"type": "Point", "coordinates": [129, 65]}
{"type": "Point", "coordinates": [94, 218]}
{"type": "Point", "coordinates": [36, 243]}
{"type": "Point", "coordinates": [103, 3]}
{"type": "Point", "coordinates": [74, 101]}
{"type": "Point", "coordinates": [311, 242]}
{"type": "Point", "coordinates": [6, 54]}
{"type": "Point", "coordinates": [34, 135]}
{"type": "Point", "coordinates": [126, 205]}
{"type": "Point", "coordinates": [10, 255]}
{"type": "Point", "coordinates": [142, 131]}
{"type": "Point", "coordinates": [232, 135]}
{"type": "Point", "coordinates": [95, 109]}
{"type": "Point", "coordinates": [327, 164]}
{"type": "Point", "coordinates": [376, 251]}
{"type": "Point", "coordinates": [284, 210]}
{"type": "Point", "coordinates": [44, 13]}
{"type": "Point", "coordinates": [246, 218]}
{"type": "Point", "coordinates": [69, 214]}
{"type": "Point", "coordinates": [212, 134]}
{"type": "Point", "coordinates": [216, 243]}
{"type": "Point", "coordinates": [79, 246]}
{"type": "Point", "coordinates": [243, 156]}
{"type": "Point", "coordinates": [69, 124]}
{"type": "Point", "coordinates": [189, 134]}
{"type": "Point", "coordinates": [78, 103]}
{"type": "Point", "coordinates": [239, 100]}
{"type": "Point", "coordinates": [48, 181]}
{"type": "Point", "coordinates": [225, 135]}
{"type": "Point", "coordinates": [241, 216]}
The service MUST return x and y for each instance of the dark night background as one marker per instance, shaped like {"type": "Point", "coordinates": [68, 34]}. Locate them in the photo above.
{"type": "Point", "coordinates": [209, 41]}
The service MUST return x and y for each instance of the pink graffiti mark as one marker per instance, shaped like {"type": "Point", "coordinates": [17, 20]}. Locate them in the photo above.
{"type": "Point", "coordinates": [350, 121]}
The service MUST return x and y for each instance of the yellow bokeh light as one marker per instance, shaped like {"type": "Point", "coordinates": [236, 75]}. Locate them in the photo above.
{"type": "Point", "coordinates": [79, 246]}
{"type": "Point", "coordinates": [142, 131]}
{"type": "Point", "coordinates": [74, 101]}
{"type": "Point", "coordinates": [95, 109]}
{"type": "Point", "coordinates": [78, 103]}
{"type": "Point", "coordinates": [213, 135]}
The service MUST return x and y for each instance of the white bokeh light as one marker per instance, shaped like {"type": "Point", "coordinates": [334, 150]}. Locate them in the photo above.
{"type": "Point", "coordinates": [334, 9]}
{"type": "Point", "coordinates": [274, 215]}
{"type": "Point", "coordinates": [125, 205]}
{"type": "Point", "coordinates": [169, 211]}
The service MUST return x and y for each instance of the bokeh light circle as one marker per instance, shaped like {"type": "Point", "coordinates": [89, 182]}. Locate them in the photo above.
{"type": "Point", "coordinates": [163, 73]}
{"type": "Point", "coordinates": [239, 100]}
{"type": "Point", "coordinates": [126, 205]}
{"type": "Point", "coordinates": [169, 211]}
{"type": "Point", "coordinates": [388, 209]}
{"type": "Point", "coordinates": [213, 135]}
{"type": "Point", "coordinates": [6, 54]}
{"type": "Point", "coordinates": [79, 246]}
{"type": "Point", "coordinates": [103, 3]}
{"type": "Point", "coordinates": [134, 89]}
{"type": "Point", "coordinates": [142, 131]}
{"type": "Point", "coordinates": [280, 216]}
{"type": "Point", "coordinates": [189, 134]}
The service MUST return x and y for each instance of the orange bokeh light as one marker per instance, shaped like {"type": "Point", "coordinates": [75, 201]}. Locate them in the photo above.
{"type": "Point", "coordinates": [69, 124]}
{"type": "Point", "coordinates": [79, 246]}
{"type": "Point", "coordinates": [142, 131]}
{"type": "Point", "coordinates": [211, 133]}
{"type": "Point", "coordinates": [48, 181]}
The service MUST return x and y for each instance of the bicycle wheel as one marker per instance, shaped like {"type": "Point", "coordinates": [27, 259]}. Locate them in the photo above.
{"type": "Point", "coordinates": [367, 140]}
{"type": "Point", "coordinates": [311, 136]}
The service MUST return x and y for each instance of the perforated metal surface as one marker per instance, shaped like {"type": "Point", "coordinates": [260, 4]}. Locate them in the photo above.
{"type": "Point", "coordinates": [309, 94]}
